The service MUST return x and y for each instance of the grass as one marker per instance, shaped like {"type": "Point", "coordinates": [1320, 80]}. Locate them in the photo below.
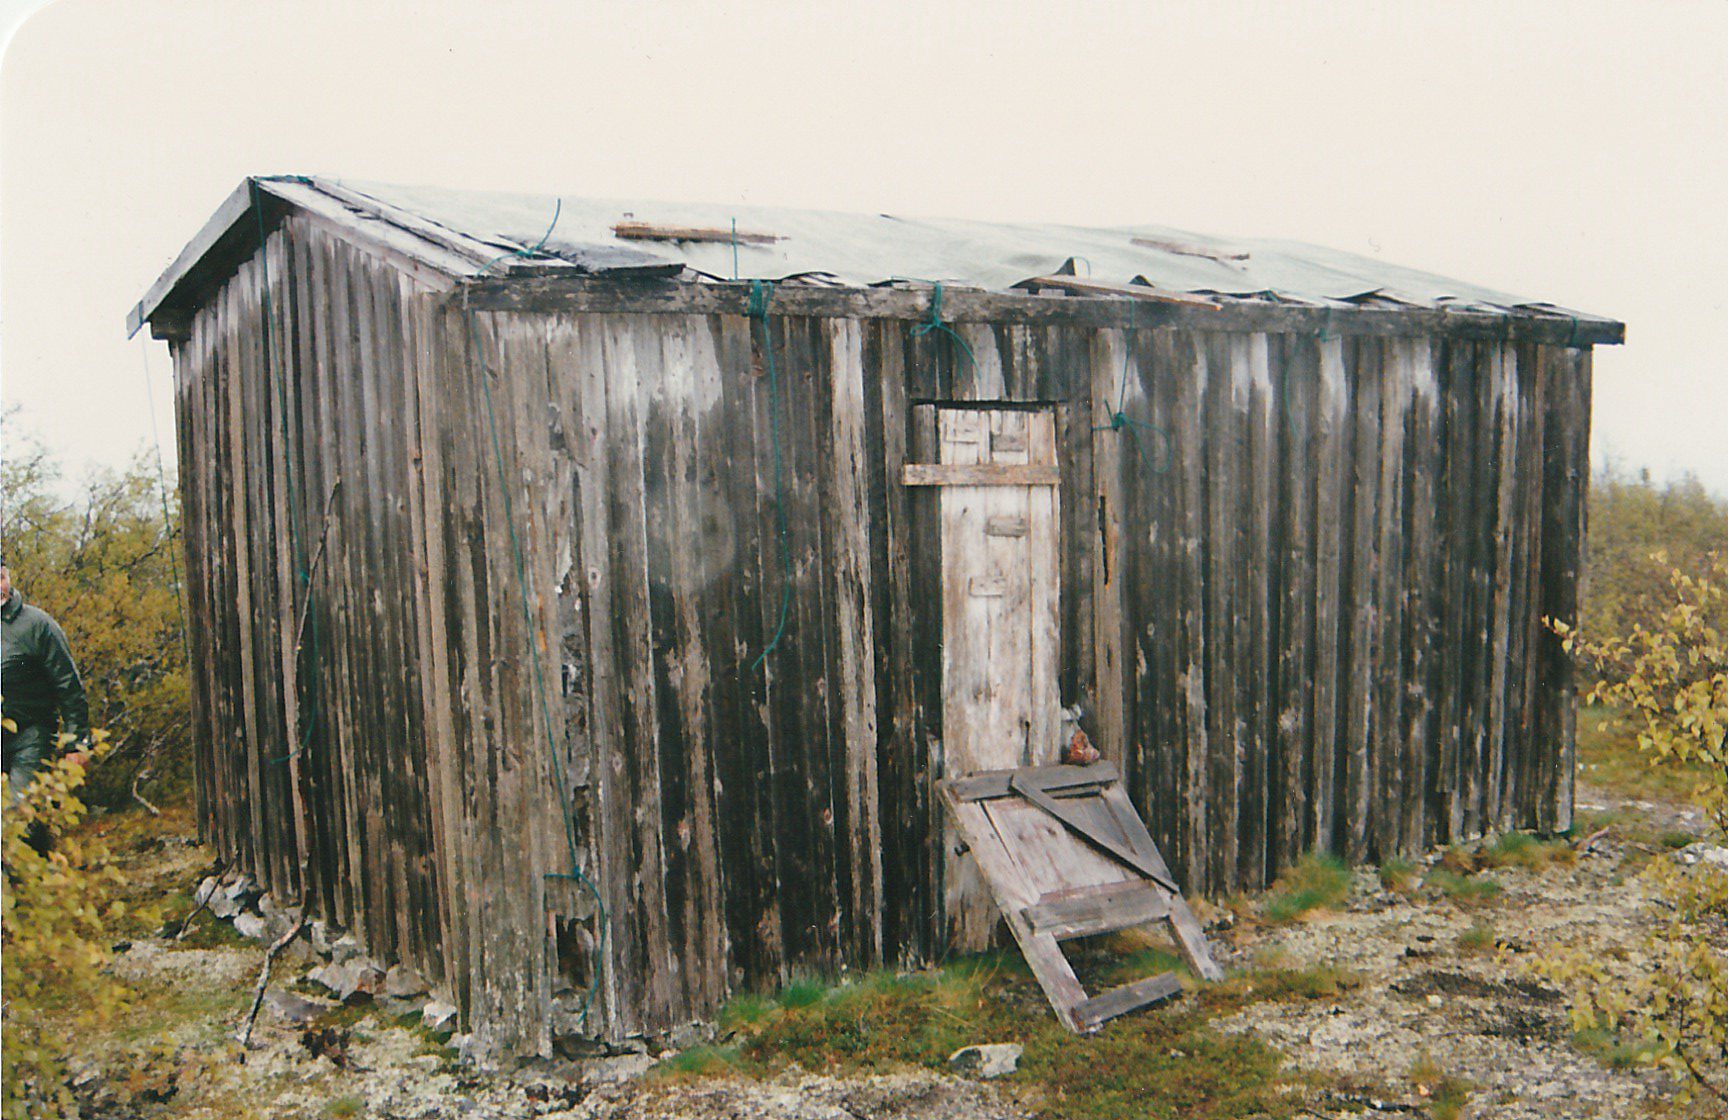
{"type": "Point", "coordinates": [1479, 938]}
{"type": "Point", "coordinates": [1610, 1049]}
{"type": "Point", "coordinates": [1163, 1063]}
{"type": "Point", "coordinates": [1446, 1095]}
{"type": "Point", "coordinates": [1315, 882]}
{"type": "Point", "coordinates": [1463, 888]}
{"type": "Point", "coordinates": [1609, 760]}
{"type": "Point", "coordinates": [1398, 874]}
{"type": "Point", "coordinates": [344, 1107]}
{"type": "Point", "coordinates": [158, 1009]}
{"type": "Point", "coordinates": [1520, 849]}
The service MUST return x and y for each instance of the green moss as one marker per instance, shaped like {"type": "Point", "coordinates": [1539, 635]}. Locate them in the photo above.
{"type": "Point", "coordinates": [1675, 840]}
{"type": "Point", "coordinates": [1282, 984]}
{"type": "Point", "coordinates": [1167, 1062]}
{"type": "Point", "coordinates": [342, 1108]}
{"type": "Point", "coordinates": [803, 993]}
{"type": "Point", "coordinates": [701, 1061]}
{"type": "Point", "coordinates": [744, 1010]}
{"type": "Point", "coordinates": [1314, 882]}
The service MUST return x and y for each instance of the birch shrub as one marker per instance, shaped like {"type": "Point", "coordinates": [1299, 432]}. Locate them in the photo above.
{"type": "Point", "coordinates": [1672, 998]}
{"type": "Point", "coordinates": [53, 943]}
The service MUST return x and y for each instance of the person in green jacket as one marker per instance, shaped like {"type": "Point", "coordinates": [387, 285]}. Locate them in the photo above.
{"type": "Point", "coordinates": [40, 691]}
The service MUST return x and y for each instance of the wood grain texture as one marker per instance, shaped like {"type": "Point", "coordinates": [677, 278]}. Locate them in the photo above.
{"type": "Point", "coordinates": [1295, 578]}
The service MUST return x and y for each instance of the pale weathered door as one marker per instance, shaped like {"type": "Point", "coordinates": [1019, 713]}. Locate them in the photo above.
{"type": "Point", "coordinates": [997, 472]}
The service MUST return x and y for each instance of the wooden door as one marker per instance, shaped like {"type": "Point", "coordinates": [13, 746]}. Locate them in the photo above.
{"type": "Point", "coordinates": [1000, 622]}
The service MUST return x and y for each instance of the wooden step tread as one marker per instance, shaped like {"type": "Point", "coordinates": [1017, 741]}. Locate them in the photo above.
{"type": "Point", "coordinates": [1098, 910]}
{"type": "Point", "coordinates": [1108, 1005]}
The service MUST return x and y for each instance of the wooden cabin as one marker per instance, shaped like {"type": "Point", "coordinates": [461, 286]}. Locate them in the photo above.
{"type": "Point", "coordinates": [586, 596]}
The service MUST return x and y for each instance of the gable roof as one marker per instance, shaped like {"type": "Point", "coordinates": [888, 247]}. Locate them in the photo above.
{"type": "Point", "coordinates": [461, 234]}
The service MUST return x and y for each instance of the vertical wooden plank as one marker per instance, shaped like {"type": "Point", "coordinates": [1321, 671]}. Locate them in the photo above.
{"type": "Point", "coordinates": [1297, 381]}
{"type": "Point", "coordinates": [1504, 399]}
{"type": "Point", "coordinates": [634, 638]}
{"type": "Point", "coordinates": [1223, 444]}
{"type": "Point", "coordinates": [1363, 356]}
{"type": "Point", "coordinates": [1388, 743]}
{"type": "Point", "coordinates": [1533, 377]}
{"type": "Point", "coordinates": [907, 922]}
{"type": "Point", "coordinates": [1187, 367]}
{"type": "Point", "coordinates": [1114, 378]}
{"type": "Point", "coordinates": [857, 669]}
{"type": "Point", "coordinates": [1420, 578]}
{"type": "Point", "coordinates": [1454, 662]}
{"type": "Point", "coordinates": [621, 992]}
{"type": "Point", "coordinates": [1255, 703]}
{"type": "Point", "coordinates": [1565, 485]}
{"type": "Point", "coordinates": [1331, 453]}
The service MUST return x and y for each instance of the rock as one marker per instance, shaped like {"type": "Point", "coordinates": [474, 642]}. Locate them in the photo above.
{"type": "Point", "coordinates": [241, 893]}
{"type": "Point", "coordinates": [224, 907]}
{"type": "Point", "coordinates": [296, 1009]}
{"type": "Point", "coordinates": [438, 1015]}
{"type": "Point", "coordinates": [348, 979]}
{"type": "Point", "coordinates": [623, 1067]}
{"type": "Point", "coordinates": [205, 890]}
{"type": "Point", "coordinates": [985, 1060]}
{"type": "Point", "coordinates": [251, 925]}
{"type": "Point", "coordinates": [403, 982]}
{"type": "Point", "coordinates": [688, 1035]}
{"type": "Point", "coordinates": [322, 936]}
{"type": "Point", "coordinates": [345, 948]}
{"type": "Point", "coordinates": [1703, 852]}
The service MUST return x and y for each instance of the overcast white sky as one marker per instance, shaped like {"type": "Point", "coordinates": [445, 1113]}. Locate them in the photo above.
{"type": "Point", "coordinates": [1572, 152]}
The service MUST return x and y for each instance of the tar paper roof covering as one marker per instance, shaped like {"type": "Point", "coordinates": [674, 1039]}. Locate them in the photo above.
{"type": "Point", "coordinates": [868, 249]}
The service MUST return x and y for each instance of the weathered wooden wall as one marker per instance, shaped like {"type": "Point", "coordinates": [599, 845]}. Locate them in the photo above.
{"type": "Point", "coordinates": [1302, 584]}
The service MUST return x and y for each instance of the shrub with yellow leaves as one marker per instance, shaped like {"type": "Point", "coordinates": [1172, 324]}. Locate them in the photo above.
{"type": "Point", "coordinates": [52, 924]}
{"type": "Point", "coordinates": [1671, 998]}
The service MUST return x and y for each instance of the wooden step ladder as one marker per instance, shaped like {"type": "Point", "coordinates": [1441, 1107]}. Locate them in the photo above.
{"type": "Point", "coordinates": [1065, 855]}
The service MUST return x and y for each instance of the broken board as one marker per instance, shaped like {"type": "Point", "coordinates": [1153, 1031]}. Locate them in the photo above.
{"type": "Point", "coordinates": [1065, 855]}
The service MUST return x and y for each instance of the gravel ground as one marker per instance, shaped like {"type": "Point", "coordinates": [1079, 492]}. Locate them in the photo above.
{"type": "Point", "coordinates": [1478, 1013]}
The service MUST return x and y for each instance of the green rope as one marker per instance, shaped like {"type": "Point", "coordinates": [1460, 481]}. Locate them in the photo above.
{"type": "Point", "coordinates": [934, 323]}
{"type": "Point", "coordinates": [761, 293]}
{"type": "Point", "coordinates": [1120, 421]}
{"type": "Point", "coordinates": [295, 499]}
{"type": "Point", "coordinates": [532, 250]}
{"type": "Point", "coordinates": [162, 492]}
{"type": "Point", "coordinates": [567, 812]}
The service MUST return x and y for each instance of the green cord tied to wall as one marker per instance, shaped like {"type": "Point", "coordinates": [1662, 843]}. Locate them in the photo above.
{"type": "Point", "coordinates": [562, 793]}
{"type": "Point", "coordinates": [1120, 421]}
{"type": "Point", "coordinates": [761, 294]}
{"type": "Point", "coordinates": [934, 323]}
